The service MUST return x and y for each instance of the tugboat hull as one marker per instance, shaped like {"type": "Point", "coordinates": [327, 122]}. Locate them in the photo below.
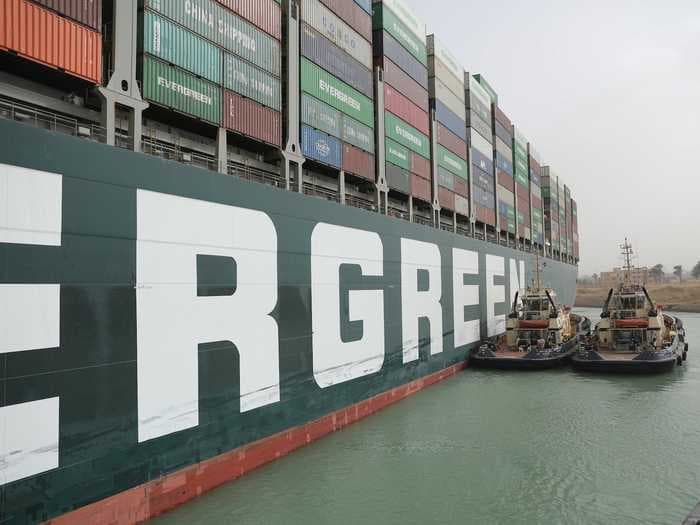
{"type": "Point", "coordinates": [521, 363]}
{"type": "Point", "coordinates": [621, 366]}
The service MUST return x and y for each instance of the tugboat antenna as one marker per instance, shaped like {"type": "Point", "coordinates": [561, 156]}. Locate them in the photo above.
{"type": "Point", "coordinates": [627, 252]}
{"type": "Point", "coordinates": [537, 271]}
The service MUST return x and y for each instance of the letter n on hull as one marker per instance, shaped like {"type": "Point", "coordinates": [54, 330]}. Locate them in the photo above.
{"type": "Point", "coordinates": [172, 320]}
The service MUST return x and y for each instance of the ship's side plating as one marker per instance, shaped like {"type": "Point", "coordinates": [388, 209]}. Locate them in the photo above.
{"type": "Point", "coordinates": [116, 252]}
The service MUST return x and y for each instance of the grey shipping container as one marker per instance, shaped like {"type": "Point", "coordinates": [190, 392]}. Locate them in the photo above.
{"type": "Point", "coordinates": [252, 82]}
{"type": "Point", "coordinates": [504, 134]}
{"type": "Point", "coordinates": [86, 12]}
{"type": "Point", "coordinates": [320, 116]}
{"type": "Point", "coordinates": [474, 121]}
{"type": "Point", "coordinates": [225, 28]}
{"type": "Point", "coordinates": [398, 179]}
{"type": "Point", "coordinates": [265, 14]}
{"type": "Point", "coordinates": [402, 82]}
{"type": "Point", "coordinates": [446, 179]}
{"type": "Point", "coordinates": [337, 62]}
{"type": "Point", "coordinates": [437, 69]}
{"type": "Point", "coordinates": [450, 120]}
{"type": "Point", "coordinates": [438, 90]}
{"type": "Point", "coordinates": [341, 34]}
{"type": "Point", "coordinates": [483, 180]}
{"type": "Point", "coordinates": [484, 198]}
{"type": "Point", "coordinates": [385, 44]}
{"type": "Point", "coordinates": [353, 14]}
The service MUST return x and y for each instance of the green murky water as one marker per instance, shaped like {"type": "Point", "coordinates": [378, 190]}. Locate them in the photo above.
{"type": "Point", "coordinates": [493, 447]}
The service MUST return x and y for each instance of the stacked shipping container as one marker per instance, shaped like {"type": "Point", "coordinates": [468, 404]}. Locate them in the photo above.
{"type": "Point", "coordinates": [574, 225]}
{"type": "Point", "coordinates": [480, 138]}
{"type": "Point", "coordinates": [550, 195]}
{"type": "Point", "coordinates": [503, 141]}
{"type": "Point", "coordinates": [63, 35]}
{"type": "Point", "coordinates": [336, 93]}
{"type": "Point", "coordinates": [569, 223]}
{"type": "Point", "coordinates": [400, 50]}
{"type": "Point", "coordinates": [203, 59]}
{"type": "Point", "coordinates": [446, 91]}
{"type": "Point", "coordinates": [535, 170]}
{"type": "Point", "coordinates": [521, 171]}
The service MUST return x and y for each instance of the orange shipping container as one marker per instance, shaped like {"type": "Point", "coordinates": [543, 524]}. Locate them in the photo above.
{"type": "Point", "coordinates": [43, 36]}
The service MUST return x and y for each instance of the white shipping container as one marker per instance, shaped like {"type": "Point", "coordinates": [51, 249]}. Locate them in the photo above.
{"type": "Point", "coordinates": [505, 195]}
{"type": "Point", "coordinates": [481, 144]}
{"type": "Point", "coordinates": [406, 15]}
{"type": "Point", "coordinates": [438, 90]}
{"type": "Point", "coordinates": [439, 70]}
{"type": "Point", "coordinates": [479, 92]}
{"type": "Point", "coordinates": [436, 48]}
{"type": "Point", "coordinates": [504, 149]}
{"type": "Point", "coordinates": [333, 28]}
{"type": "Point", "coordinates": [461, 205]}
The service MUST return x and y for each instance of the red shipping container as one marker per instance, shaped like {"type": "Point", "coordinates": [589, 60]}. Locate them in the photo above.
{"type": "Point", "coordinates": [406, 110]}
{"type": "Point", "coordinates": [461, 187]}
{"type": "Point", "coordinates": [451, 141]}
{"type": "Point", "coordinates": [536, 202]}
{"type": "Point", "coordinates": [502, 118]}
{"type": "Point", "coordinates": [87, 12]}
{"type": "Point", "coordinates": [358, 162]}
{"type": "Point", "coordinates": [522, 192]}
{"type": "Point", "coordinates": [402, 82]}
{"type": "Point", "coordinates": [505, 180]}
{"type": "Point", "coordinates": [447, 198]}
{"type": "Point", "coordinates": [43, 36]}
{"type": "Point", "coordinates": [353, 14]}
{"type": "Point", "coordinates": [249, 118]}
{"type": "Point", "coordinates": [420, 188]}
{"type": "Point", "coordinates": [420, 165]}
{"type": "Point", "coordinates": [485, 215]}
{"type": "Point", "coordinates": [265, 14]}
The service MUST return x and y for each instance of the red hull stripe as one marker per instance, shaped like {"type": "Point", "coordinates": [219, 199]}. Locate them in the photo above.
{"type": "Point", "coordinates": [156, 497]}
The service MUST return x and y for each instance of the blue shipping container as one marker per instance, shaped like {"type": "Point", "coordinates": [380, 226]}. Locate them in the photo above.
{"type": "Point", "coordinates": [450, 120]}
{"type": "Point", "coordinates": [481, 161]}
{"type": "Point", "coordinates": [365, 4]}
{"type": "Point", "coordinates": [321, 147]}
{"type": "Point", "coordinates": [504, 164]}
{"type": "Point", "coordinates": [483, 180]}
{"type": "Point", "coordinates": [484, 198]}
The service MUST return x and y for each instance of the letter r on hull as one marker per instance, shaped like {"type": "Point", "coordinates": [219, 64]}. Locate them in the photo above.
{"type": "Point", "coordinates": [172, 321]}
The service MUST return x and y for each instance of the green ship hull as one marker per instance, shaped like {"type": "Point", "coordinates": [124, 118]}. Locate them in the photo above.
{"type": "Point", "coordinates": [160, 316]}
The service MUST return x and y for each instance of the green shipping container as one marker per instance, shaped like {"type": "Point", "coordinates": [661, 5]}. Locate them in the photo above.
{"type": "Point", "coordinates": [452, 163]}
{"type": "Point", "coordinates": [408, 136]}
{"type": "Point", "coordinates": [384, 18]}
{"type": "Point", "coordinates": [332, 91]}
{"type": "Point", "coordinates": [214, 22]}
{"type": "Point", "coordinates": [397, 154]}
{"type": "Point", "coordinates": [252, 82]}
{"type": "Point", "coordinates": [177, 89]}
{"type": "Point", "coordinates": [177, 45]}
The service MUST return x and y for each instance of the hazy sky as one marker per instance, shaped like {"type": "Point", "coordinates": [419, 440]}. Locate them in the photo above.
{"type": "Point", "coordinates": [608, 91]}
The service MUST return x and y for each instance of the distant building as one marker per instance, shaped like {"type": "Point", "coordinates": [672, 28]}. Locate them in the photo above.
{"type": "Point", "coordinates": [610, 279]}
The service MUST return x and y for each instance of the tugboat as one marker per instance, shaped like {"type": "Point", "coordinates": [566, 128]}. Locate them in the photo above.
{"type": "Point", "coordinates": [539, 333]}
{"type": "Point", "coordinates": [633, 335]}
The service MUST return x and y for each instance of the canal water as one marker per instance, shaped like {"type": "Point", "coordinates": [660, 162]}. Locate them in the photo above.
{"type": "Point", "coordinates": [492, 447]}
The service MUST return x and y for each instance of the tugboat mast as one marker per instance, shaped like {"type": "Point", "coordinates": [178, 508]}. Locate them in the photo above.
{"type": "Point", "coordinates": [627, 253]}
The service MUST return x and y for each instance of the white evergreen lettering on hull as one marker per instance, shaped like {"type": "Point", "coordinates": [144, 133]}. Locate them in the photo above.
{"type": "Point", "coordinates": [30, 213]}
{"type": "Point", "coordinates": [172, 320]}
{"type": "Point", "coordinates": [417, 256]}
{"type": "Point", "coordinates": [495, 294]}
{"type": "Point", "coordinates": [465, 263]}
{"type": "Point", "coordinates": [336, 361]}
{"type": "Point", "coordinates": [517, 281]}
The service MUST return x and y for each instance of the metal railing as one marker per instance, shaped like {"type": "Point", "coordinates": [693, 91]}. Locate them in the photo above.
{"type": "Point", "coordinates": [254, 174]}
{"type": "Point", "coordinates": [425, 221]}
{"type": "Point", "coordinates": [359, 202]}
{"type": "Point", "coordinates": [38, 118]}
{"type": "Point", "coordinates": [319, 191]}
{"type": "Point", "coordinates": [398, 213]}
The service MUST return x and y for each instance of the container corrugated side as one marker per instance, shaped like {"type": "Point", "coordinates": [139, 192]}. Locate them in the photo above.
{"type": "Point", "coordinates": [176, 89]}
{"type": "Point", "coordinates": [358, 162]}
{"type": "Point", "coordinates": [452, 162]}
{"type": "Point", "coordinates": [337, 62]}
{"type": "Point", "coordinates": [366, 5]}
{"type": "Point", "coordinates": [87, 12]}
{"type": "Point", "coordinates": [483, 180]}
{"type": "Point", "coordinates": [41, 35]}
{"type": "Point", "coordinates": [462, 205]}
{"type": "Point", "coordinates": [475, 105]}
{"type": "Point", "coordinates": [437, 69]}
{"type": "Point", "coordinates": [446, 198]}
{"type": "Point", "coordinates": [420, 165]}
{"type": "Point", "coordinates": [481, 127]}
{"type": "Point", "coordinates": [482, 162]}
{"type": "Point", "coordinates": [406, 110]}
{"type": "Point", "coordinates": [484, 198]}
{"type": "Point", "coordinates": [321, 147]}
{"type": "Point", "coordinates": [485, 215]}
{"type": "Point", "coordinates": [251, 119]}
{"type": "Point", "coordinates": [502, 118]}
{"type": "Point", "coordinates": [341, 34]}
{"type": "Point", "coordinates": [438, 50]}
{"type": "Point", "coordinates": [214, 22]}
{"type": "Point", "coordinates": [487, 87]}
{"type": "Point", "coordinates": [357, 134]}
{"type": "Point", "coordinates": [439, 91]}
{"type": "Point", "coordinates": [400, 80]}
{"type": "Point", "coordinates": [421, 188]}
{"type": "Point", "coordinates": [384, 18]}
{"type": "Point", "coordinates": [398, 179]}
{"type": "Point", "coordinates": [407, 17]}
{"type": "Point", "coordinates": [397, 155]}
{"type": "Point", "coordinates": [386, 45]}
{"type": "Point", "coordinates": [406, 135]}
{"type": "Point", "coordinates": [320, 116]}
{"type": "Point", "coordinates": [448, 119]}
{"type": "Point", "coordinates": [252, 82]}
{"type": "Point", "coordinates": [265, 14]}
{"type": "Point", "coordinates": [477, 91]}
{"type": "Point", "coordinates": [174, 44]}
{"type": "Point", "coordinates": [353, 14]}
{"type": "Point", "coordinates": [504, 135]}
{"type": "Point", "coordinates": [338, 94]}
{"type": "Point", "coordinates": [505, 180]}
{"type": "Point", "coordinates": [451, 141]}
{"type": "Point", "coordinates": [481, 144]}
{"type": "Point", "coordinates": [461, 187]}
{"type": "Point", "coordinates": [446, 179]}
{"type": "Point", "coordinates": [522, 192]}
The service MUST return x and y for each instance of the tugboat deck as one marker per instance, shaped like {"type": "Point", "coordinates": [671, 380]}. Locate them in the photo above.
{"type": "Point", "coordinates": [617, 356]}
